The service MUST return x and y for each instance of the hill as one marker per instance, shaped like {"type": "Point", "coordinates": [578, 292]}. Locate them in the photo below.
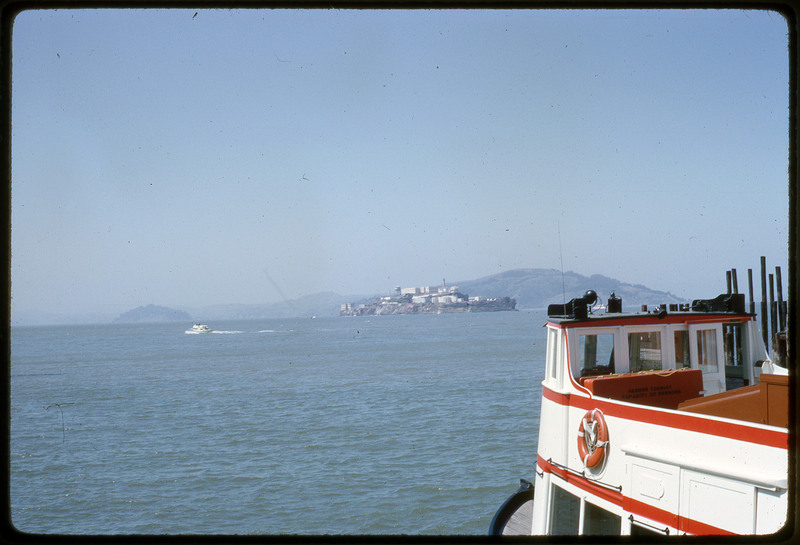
{"type": "Point", "coordinates": [532, 288]}
{"type": "Point", "coordinates": [318, 304]}
{"type": "Point", "coordinates": [537, 288]}
{"type": "Point", "coordinates": [153, 313]}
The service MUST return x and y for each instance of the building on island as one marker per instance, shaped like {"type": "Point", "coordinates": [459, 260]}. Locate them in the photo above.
{"type": "Point", "coordinates": [427, 300]}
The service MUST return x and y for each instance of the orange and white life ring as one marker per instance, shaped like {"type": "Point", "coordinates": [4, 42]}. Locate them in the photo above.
{"type": "Point", "coordinates": [592, 438]}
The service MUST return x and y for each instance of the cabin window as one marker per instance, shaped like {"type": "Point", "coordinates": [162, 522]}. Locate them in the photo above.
{"type": "Point", "coordinates": [644, 348]}
{"type": "Point", "coordinates": [599, 522]}
{"type": "Point", "coordinates": [552, 353]}
{"type": "Point", "coordinates": [597, 354]}
{"type": "Point", "coordinates": [735, 376]}
{"type": "Point", "coordinates": [682, 349]}
{"type": "Point", "coordinates": [733, 343]}
{"type": "Point", "coordinates": [565, 513]}
{"type": "Point", "coordinates": [707, 350]}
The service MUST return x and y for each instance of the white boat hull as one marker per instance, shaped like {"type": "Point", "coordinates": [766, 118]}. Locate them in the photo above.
{"type": "Point", "coordinates": [678, 472]}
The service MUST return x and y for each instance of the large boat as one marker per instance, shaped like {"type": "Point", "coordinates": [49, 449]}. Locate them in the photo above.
{"type": "Point", "coordinates": [660, 422]}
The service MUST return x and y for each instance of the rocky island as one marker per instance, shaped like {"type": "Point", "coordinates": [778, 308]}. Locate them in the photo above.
{"type": "Point", "coordinates": [428, 300]}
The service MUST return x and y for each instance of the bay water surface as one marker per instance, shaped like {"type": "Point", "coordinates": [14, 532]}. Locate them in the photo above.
{"type": "Point", "coordinates": [418, 424]}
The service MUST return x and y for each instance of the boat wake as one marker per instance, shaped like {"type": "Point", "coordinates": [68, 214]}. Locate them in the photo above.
{"type": "Point", "coordinates": [226, 332]}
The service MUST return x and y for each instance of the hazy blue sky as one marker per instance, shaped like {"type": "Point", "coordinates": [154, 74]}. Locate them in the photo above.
{"type": "Point", "coordinates": [242, 156]}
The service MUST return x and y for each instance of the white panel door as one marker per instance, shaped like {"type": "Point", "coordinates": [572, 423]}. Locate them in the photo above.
{"type": "Point", "coordinates": [718, 502]}
{"type": "Point", "coordinates": [706, 352]}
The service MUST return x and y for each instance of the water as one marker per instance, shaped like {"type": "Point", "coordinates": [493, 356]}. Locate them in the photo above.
{"type": "Point", "coordinates": [373, 425]}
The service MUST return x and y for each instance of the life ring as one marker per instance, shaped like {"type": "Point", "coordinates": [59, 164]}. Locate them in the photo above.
{"type": "Point", "coordinates": [592, 438]}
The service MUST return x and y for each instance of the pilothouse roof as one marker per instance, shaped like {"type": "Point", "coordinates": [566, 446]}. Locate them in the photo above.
{"type": "Point", "coordinates": [720, 308]}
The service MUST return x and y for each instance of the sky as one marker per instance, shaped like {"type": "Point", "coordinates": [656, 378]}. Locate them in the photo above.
{"type": "Point", "coordinates": [189, 158]}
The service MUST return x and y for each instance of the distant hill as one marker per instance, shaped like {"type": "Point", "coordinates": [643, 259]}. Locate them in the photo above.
{"type": "Point", "coordinates": [532, 288]}
{"type": "Point", "coordinates": [153, 313]}
{"type": "Point", "coordinates": [537, 288]}
{"type": "Point", "coordinates": [318, 304]}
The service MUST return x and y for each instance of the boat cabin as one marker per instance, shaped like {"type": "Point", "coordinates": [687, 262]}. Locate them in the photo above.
{"type": "Point", "coordinates": [714, 338]}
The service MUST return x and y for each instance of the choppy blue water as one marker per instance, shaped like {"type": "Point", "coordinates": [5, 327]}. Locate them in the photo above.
{"type": "Point", "coordinates": [373, 425]}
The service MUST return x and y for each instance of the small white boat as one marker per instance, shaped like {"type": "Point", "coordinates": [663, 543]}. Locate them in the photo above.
{"type": "Point", "coordinates": [198, 329]}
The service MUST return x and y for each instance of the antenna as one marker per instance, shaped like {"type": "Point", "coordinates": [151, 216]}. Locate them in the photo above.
{"type": "Point", "coordinates": [561, 256]}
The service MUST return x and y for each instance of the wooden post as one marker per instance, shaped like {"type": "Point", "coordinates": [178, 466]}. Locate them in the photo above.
{"type": "Point", "coordinates": [785, 310]}
{"type": "Point", "coordinates": [735, 282]}
{"type": "Point", "coordinates": [781, 311]}
{"type": "Point", "coordinates": [764, 317]}
{"type": "Point", "coordinates": [750, 287]}
{"type": "Point", "coordinates": [773, 311]}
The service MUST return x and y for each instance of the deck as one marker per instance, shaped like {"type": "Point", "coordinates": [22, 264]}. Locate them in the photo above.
{"type": "Point", "coordinates": [521, 522]}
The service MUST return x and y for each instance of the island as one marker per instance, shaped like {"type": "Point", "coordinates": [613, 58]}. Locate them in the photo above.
{"type": "Point", "coordinates": [427, 300]}
{"type": "Point", "coordinates": [153, 313]}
